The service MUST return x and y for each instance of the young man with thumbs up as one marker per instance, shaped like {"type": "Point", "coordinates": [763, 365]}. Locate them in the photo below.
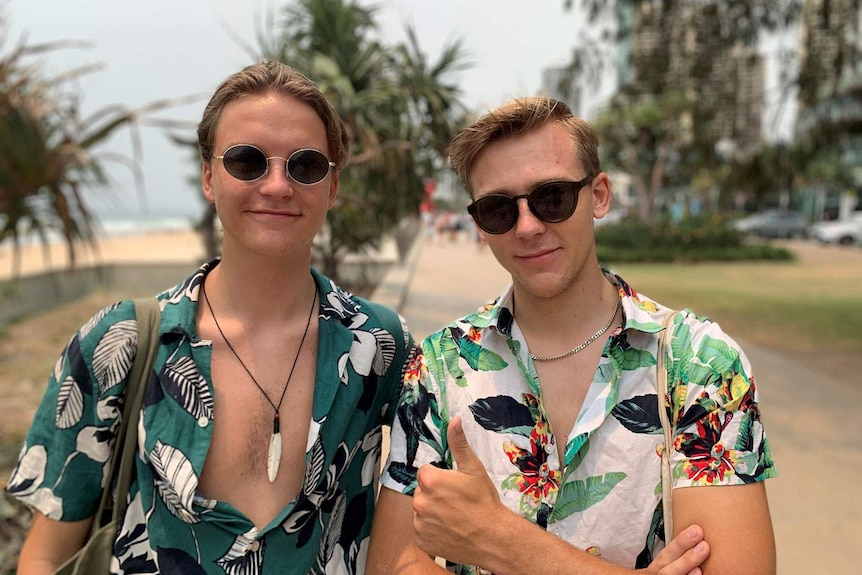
{"type": "Point", "coordinates": [527, 437]}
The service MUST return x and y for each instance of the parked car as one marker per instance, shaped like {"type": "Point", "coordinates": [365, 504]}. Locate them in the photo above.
{"type": "Point", "coordinates": [845, 232]}
{"type": "Point", "coordinates": [773, 224]}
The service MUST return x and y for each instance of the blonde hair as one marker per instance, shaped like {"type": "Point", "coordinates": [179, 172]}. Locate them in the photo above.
{"type": "Point", "coordinates": [267, 77]}
{"type": "Point", "coordinates": [518, 117]}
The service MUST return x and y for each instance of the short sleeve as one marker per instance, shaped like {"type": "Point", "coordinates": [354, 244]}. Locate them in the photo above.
{"type": "Point", "coordinates": [400, 366]}
{"type": "Point", "coordinates": [719, 438]}
{"type": "Point", "coordinates": [66, 457]}
{"type": "Point", "coordinates": [417, 436]}
{"type": "Point", "coordinates": [394, 349]}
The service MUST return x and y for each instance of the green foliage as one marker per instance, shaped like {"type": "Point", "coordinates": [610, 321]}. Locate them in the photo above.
{"type": "Point", "coordinates": [702, 48]}
{"type": "Point", "coordinates": [828, 167]}
{"type": "Point", "coordinates": [401, 112]}
{"type": "Point", "coordinates": [680, 92]}
{"type": "Point", "coordinates": [816, 162]}
{"type": "Point", "coordinates": [733, 22]}
{"type": "Point", "coordinates": [771, 168]}
{"type": "Point", "coordinates": [694, 239]}
{"type": "Point", "coordinates": [651, 138]}
{"type": "Point", "coordinates": [48, 151]}
{"type": "Point", "coordinates": [633, 127]}
{"type": "Point", "coordinates": [694, 232]}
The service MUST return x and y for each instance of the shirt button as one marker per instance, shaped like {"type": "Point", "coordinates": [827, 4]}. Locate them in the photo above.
{"type": "Point", "coordinates": [255, 545]}
{"type": "Point", "coordinates": [203, 421]}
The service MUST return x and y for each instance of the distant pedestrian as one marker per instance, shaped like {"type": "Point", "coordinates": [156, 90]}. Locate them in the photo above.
{"type": "Point", "coordinates": [427, 219]}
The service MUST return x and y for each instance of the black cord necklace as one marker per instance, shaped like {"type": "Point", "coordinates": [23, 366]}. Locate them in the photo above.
{"type": "Point", "coordinates": [273, 458]}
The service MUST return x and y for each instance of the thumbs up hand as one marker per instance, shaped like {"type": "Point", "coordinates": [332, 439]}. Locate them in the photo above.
{"type": "Point", "coordinates": [465, 460]}
{"type": "Point", "coordinates": [458, 515]}
{"type": "Point", "coordinates": [455, 512]}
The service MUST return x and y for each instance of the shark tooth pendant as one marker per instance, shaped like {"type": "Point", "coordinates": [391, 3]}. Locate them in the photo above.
{"type": "Point", "coordinates": [273, 458]}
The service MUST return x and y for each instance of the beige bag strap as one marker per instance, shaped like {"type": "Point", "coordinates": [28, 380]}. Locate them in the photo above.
{"type": "Point", "coordinates": [147, 314]}
{"type": "Point", "coordinates": [664, 339]}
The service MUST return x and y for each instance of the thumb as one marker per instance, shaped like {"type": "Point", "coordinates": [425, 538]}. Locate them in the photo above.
{"type": "Point", "coordinates": [465, 460]}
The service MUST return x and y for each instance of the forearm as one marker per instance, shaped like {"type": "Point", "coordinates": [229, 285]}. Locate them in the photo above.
{"type": "Point", "coordinates": [36, 567]}
{"type": "Point", "coordinates": [393, 550]}
{"type": "Point", "coordinates": [50, 543]}
{"type": "Point", "coordinates": [409, 562]}
{"type": "Point", "coordinates": [513, 545]}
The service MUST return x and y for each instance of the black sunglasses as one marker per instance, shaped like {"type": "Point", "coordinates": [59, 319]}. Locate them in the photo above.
{"type": "Point", "coordinates": [551, 202]}
{"type": "Point", "coordinates": [248, 163]}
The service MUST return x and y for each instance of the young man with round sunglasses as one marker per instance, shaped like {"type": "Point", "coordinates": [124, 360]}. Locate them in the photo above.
{"type": "Point", "coordinates": [528, 438]}
{"type": "Point", "coordinates": [261, 423]}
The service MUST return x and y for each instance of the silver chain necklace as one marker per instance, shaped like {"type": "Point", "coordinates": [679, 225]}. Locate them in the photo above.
{"type": "Point", "coordinates": [273, 457]}
{"type": "Point", "coordinates": [578, 348]}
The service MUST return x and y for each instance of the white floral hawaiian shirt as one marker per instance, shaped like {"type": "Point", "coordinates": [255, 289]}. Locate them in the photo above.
{"type": "Point", "coordinates": [605, 497]}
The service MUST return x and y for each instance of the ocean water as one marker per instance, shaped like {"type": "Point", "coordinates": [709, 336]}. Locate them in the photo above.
{"type": "Point", "coordinates": [122, 226]}
{"type": "Point", "coordinates": [115, 226]}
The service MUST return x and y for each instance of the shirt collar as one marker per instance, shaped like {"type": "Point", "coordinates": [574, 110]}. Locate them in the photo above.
{"type": "Point", "coordinates": [639, 312]}
{"type": "Point", "coordinates": [180, 302]}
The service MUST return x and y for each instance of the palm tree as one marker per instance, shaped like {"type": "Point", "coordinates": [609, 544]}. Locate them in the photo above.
{"type": "Point", "coordinates": [48, 153]}
{"type": "Point", "coordinates": [398, 111]}
{"type": "Point", "coordinates": [433, 96]}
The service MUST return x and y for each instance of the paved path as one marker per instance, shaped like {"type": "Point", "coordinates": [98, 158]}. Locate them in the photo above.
{"type": "Point", "coordinates": [814, 422]}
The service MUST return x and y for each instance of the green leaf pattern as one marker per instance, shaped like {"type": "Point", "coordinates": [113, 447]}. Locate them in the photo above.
{"type": "Point", "coordinates": [608, 484]}
{"type": "Point", "coordinates": [578, 495]}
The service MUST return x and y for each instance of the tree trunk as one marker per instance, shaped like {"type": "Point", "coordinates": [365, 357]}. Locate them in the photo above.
{"type": "Point", "coordinates": [643, 195]}
{"type": "Point", "coordinates": [654, 189]}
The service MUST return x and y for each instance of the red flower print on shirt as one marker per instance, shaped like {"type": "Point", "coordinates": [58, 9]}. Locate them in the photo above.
{"type": "Point", "coordinates": [536, 478]}
{"type": "Point", "coordinates": [708, 459]}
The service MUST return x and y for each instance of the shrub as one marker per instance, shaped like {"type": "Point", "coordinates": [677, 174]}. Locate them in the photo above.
{"type": "Point", "coordinates": [705, 237]}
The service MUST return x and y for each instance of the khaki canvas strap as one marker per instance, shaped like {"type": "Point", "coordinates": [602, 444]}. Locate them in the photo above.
{"type": "Point", "coordinates": [664, 342]}
{"type": "Point", "coordinates": [147, 313]}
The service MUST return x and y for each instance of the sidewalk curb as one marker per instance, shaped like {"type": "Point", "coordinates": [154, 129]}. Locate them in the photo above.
{"type": "Point", "coordinates": [392, 289]}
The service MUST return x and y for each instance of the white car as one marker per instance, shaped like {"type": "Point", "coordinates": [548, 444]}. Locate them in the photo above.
{"type": "Point", "coordinates": [847, 231]}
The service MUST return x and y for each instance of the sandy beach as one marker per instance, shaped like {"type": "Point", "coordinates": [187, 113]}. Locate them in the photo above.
{"type": "Point", "coordinates": [168, 246]}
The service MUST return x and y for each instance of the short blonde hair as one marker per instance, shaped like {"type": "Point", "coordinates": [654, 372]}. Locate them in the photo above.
{"type": "Point", "coordinates": [274, 77]}
{"type": "Point", "coordinates": [517, 117]}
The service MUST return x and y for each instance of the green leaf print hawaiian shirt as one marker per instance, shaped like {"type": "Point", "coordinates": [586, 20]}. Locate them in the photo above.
{"type": "Point", "coordinates": [171, 528]}
{"type": "Point", "coordinates": [606, 499]}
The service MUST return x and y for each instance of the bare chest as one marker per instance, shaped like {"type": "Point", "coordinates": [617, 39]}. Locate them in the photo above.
{"type": "Point", "coordinates": [235, 469]}
{"type": "Point", "coordinates": [564, 384]}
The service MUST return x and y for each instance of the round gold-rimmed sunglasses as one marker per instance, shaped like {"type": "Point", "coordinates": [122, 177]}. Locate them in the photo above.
{"type": "Point", "coordinates": [551, 202]}
{"type": "Point", "coordinates": [248, 163]}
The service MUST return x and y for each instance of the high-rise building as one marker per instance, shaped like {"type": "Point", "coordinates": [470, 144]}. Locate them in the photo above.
{"type": "Point", "coordinates": [830, 49]}
{"type": "Point", "coordinates": [685, 52]}
{"type": "Point", "coordinates": [559, 83]}
{"type": "Point", "coordinates": [830, 95]}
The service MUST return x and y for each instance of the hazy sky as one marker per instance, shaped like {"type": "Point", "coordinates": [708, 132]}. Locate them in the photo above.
{"type": "Point", "coordinates": [162, 49]}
